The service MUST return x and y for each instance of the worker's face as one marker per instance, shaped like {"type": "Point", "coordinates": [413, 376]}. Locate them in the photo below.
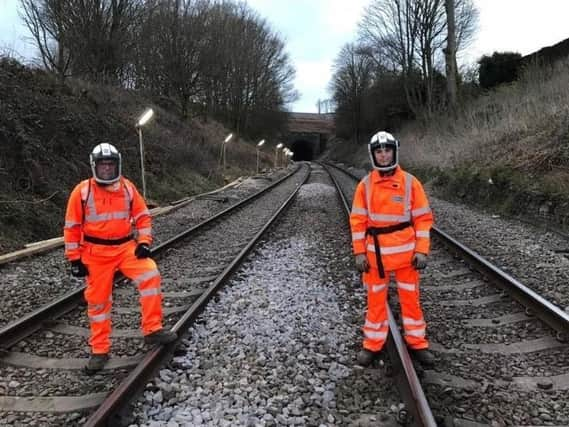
{"type": "Point", "coordinates": [106, 169]}
{"type": "Point", "coordinates": [383, 156]}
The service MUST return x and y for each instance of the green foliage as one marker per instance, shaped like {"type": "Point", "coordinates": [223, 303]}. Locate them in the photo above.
{"type": "Point", "coordinates": [498, 68]}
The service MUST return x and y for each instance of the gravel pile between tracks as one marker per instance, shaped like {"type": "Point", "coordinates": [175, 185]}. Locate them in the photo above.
{"type": "Point", "coordinates": [278, 346]}
{"type": "Point", "coordinates": [34, 281]}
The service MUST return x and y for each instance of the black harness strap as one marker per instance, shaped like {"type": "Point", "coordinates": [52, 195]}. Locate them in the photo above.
{"type": "Point", "coordinates": [107, 242]}
{"type": "Point", "coordinates": [376, 231]}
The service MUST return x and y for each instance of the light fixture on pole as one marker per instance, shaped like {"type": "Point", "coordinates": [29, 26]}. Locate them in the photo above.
{"type": "Point", "coordinates": [223, 156]}
{"type": "Point", "coordinates": [141, 122]}
{"type": "Point", "coordinates": [277, 148]}
{"type": "Point", "coordinates": [259, 145]}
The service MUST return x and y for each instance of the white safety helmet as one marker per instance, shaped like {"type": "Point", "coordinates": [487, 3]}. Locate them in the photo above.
{"type": "Point", "coordinates": [105, 151]}
{"type": "Point", "coordinates": [382, 140]}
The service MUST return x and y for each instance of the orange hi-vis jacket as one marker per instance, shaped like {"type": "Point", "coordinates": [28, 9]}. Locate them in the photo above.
{"type": "Point", "coordinates": [389, 201]}
{"type": "Point", "coordinates": [101, 213]}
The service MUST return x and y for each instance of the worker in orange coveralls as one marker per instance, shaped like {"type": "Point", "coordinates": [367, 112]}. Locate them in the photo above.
{"type": "Point", "coordinates": [99, 241]}
{"type": "Point", "coordinates": [391, 217]}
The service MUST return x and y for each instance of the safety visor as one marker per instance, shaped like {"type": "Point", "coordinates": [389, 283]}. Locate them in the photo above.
{"type": "Point", "coordinates": [106, 170]}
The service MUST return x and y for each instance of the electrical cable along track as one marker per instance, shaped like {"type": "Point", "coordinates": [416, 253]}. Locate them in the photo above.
{"type": "Point", "coordinates": [44, 352]}
{"type": "Point", "coordinates": [502, 354]}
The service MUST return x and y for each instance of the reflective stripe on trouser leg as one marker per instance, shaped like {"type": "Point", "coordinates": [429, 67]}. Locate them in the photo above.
{"type": "Point", "coordinates": [411, 313]}
{"type": "Point", "coordinates": [376, 326]}
{"type": "Point", "coordinates": [145, 275]}
{"type": "Point", "coordinates": [99, 302]}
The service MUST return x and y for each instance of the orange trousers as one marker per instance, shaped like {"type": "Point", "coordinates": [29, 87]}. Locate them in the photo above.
{"type": "Point", "coordinates": [102, 263]}
{"type": "Point", "coordinates": [376, 325]}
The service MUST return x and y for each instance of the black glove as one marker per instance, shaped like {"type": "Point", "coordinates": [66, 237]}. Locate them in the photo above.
{"type": "Point", "coordinates": [419, 261]}
{"type": "Point", "coordinates": [78, 269]}
{"type": "Point", "coordinates": [362, 263]}
{"type": "Point", "coordinates": [142, 251]}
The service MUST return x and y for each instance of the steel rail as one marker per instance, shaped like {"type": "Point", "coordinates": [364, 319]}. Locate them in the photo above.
{"type": "Point", "coordinates": [23, 327]}
{"type": "Point", "coordinates": [137, 378]}
{"type": "Point", "coordinates": [406, 377]}
{"type": "Point", "coordinates": [548, 312]}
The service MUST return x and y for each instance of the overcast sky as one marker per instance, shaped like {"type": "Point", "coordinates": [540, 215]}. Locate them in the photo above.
{"type": "Point", "coordinates": [315, 30]}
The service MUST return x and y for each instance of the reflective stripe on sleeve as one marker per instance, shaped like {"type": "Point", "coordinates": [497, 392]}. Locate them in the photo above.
{"type": "Point", "coordinates": [144, 212]}
{"type": "Point", "coordinates": [425, 234]}
{"type": "Point", "coordinates": [359, 211]}
{"type": "Point", "coordinates": [359, 235]}
{"type": "Point", "coordinates": [420, 211]}
{"type": "Point", "coordinates": [144, 231]}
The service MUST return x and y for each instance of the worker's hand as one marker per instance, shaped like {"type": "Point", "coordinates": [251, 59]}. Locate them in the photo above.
{"type": "Point", "coordinates": [78, 269]}
{"type": "Point", "coordinates": [419, 261]}
{"type": "Point", "coordinates": [142, 251]}
{"type": "Point", "coordinates": [362, 263]}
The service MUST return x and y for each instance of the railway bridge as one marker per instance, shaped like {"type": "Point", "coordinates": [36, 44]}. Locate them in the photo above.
{"type": "Point", "coordinates": [308, 133]}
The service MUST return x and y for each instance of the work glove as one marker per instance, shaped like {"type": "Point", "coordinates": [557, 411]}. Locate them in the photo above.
{"type": "Point", "coordinates": [142, 251]}
{"type": "Point", "coordinates": [419, 261]}
{"type": "Point", "coordinates": [78, 269]}
{"type": "Point", "coordinates": [362, 263]}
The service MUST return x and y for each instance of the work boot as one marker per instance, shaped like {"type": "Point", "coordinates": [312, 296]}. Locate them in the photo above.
{"type": "Point", "coordinates": [96, 363]}
{"type": "Point", "coordinates": [365, 357]}
{"type": "Point", "coordinates": [161, 336]}
{"type": "Point", "coordinates": [424, 357]}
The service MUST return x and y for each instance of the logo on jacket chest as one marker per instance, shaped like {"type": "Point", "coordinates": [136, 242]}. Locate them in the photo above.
{"type": "Point", "coordinates": [397, 199]}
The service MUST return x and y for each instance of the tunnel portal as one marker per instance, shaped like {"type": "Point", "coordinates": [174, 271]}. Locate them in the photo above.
{"type": "Point", "coordinates": [308, 133]}
{"type": "Point", "coordinates": [303, 150]}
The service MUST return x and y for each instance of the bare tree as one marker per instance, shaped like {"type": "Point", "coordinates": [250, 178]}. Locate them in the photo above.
{"type": "Point", "coordinates": [450, 55]}
{"type": "Point", "coordinates": [91, 39]}
{"type": "Point", "coordinates": [352, 78]}
{"type": "Point", "coordinates": [46, 23]}
{"type": "Point", "coordinates": [411, 34]}
{"type": "Point", "coordinates": [169, 53]}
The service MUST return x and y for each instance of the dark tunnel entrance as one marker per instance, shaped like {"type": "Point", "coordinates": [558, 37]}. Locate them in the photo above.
{"type": "Point", "coordinates": [303, 150]}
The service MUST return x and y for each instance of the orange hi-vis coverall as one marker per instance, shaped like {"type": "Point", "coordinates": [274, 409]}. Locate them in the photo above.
{"type": "Point", "coordinates": [98, 230]}
{"type": "Point", "coordinates": [395, 209]}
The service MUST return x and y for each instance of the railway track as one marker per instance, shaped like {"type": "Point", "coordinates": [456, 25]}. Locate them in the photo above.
{"type": "Point", "coordinates": [43, 354]}
{"type": "Point", "coordinates": [501, 347]}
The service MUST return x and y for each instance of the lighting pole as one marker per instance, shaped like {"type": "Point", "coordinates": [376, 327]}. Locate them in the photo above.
{"type": "Point", "coordinates": [141, 122]}
{"type": "Point", "coordinates": [259, 145]}
{"type": "Point", "coordinates": [284, 156]}
{"type": "Point", "coordinates": [277, 148]}
{"type": "Point", "coordinates": [225, 141]}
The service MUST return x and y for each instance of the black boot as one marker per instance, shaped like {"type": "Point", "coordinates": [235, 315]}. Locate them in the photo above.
{"type": "Point", "coordinates": [96, 363]}
{"type": "Point", "coordinates": [424, 357]}
{"type": "Point", "coordinates": [365, 357]}
{"type": "Point", "coordinates": [161, 337]}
